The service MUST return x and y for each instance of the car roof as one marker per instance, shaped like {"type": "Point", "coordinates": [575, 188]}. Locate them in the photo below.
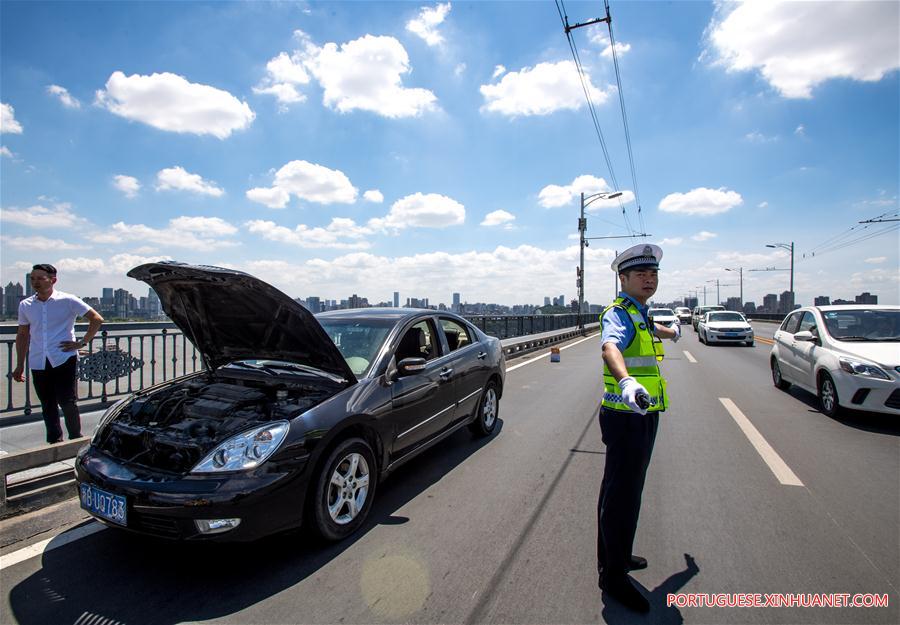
{"type": "Point", "coordinates": [395, 314]}
{"type": "Point", "coordinates": [837, 307]}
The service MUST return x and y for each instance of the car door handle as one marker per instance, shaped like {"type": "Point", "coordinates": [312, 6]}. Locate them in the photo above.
{"type": "Point", "coordinates": [481, 355]}
{"type": "Point", "coordinates": [446, 373]}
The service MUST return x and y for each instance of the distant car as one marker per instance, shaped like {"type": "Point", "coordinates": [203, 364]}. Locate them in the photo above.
{"type": "Point", "coordinates": [847, 355]}
{"type": "Point", "coordinates": [296, 420]}
{"type": "Point", "coordinates": [684, 314]}
{"type": "Point", "coordinates": [663, 316]}
{"type": "Point", "coordinates": [698, 313]}
{"type": "Point", "coordinates": [725, 327]}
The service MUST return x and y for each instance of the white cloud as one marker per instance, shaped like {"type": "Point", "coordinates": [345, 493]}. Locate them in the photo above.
{"type": "Point", "coordinates": [876, 260]}
{"type": "Point", "coordinates": [127, 185]}
{"type": "Point", "coordinates": [798, 45]}
{"type": "Point", "coordinates": [333, 236]}
{"type": "Point", "coordinates": [373, 195]}
{"type": "Point", "coordinates": [283, 73]}
{"type": "Point", "coordinates": [701, 201]}
{"type": "Point", "coordinates": [498, 218]}
{"type": "Point", "coordinates": [553, 195]}
{"type": "Point", "coordinates": [539, 90]}
{"type": "Point", "coordinates": [116, 265]}
{"type": "Point", "coordinates": [459, 70]}
{"type": "Point", "coordinates": [366, 74]}
{"type": "Point", "coordinates": [193, 233]}
{"type": "Point", "coordinates": [4, 151]}
{"type": "Point", "coordinates": [598, 36]}
{"type": "Point", "coordinates": [177, 179]}
{"type": "Point", "coordinates": [307, 181]}
{"type": "Point", "coordinates": [703, 235]}
{"type": "Point", "coordinates": [40, 243]}
{"type": "Point", "coordinates": [800, 130]}
{"type": "Point", "coordinates": [425, 25]}
{"type": "Point", "coordinates": [671, 241]}
{"type": "Point", "coordinates": [419, 210]}
{"type": "Point", "coordinates": [758, 137]}
{"type": "Point", "coordinates": [762, 205]}
{"type": "Point", "coordinates": [60, 216]}
{"type": "Point", "coordinates": [169, 102]}
{"type": "Point", "coordinates": [64, 96]}
{"type": "Point", "coordinates": [8, 121]}
{"type": "Point", "coordinates": [499, 70]}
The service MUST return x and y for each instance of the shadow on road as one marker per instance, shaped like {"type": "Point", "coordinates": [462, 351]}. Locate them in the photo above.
{"type": "Point", "coordinates": [874, 422]}
{"type": "Point", "coordinates": [114, 577]}
{"type": "Point", "coordinates": [614, 613]}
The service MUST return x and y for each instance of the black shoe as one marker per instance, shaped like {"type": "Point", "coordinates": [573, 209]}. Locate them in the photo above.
{"type": "Point", "coordinates": [622, 590]}
{"type": "Point", "coordinates": [636, 563]}
{"type": "Point", "coordinates": [58, 440]}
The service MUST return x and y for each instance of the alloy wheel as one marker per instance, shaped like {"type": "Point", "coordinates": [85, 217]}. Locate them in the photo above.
{"type": "Point", "coordinates": [348, 488]}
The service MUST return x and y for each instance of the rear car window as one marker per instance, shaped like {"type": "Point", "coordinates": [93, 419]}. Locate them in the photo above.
{"type": "Point", "coordinates": [458, 335]}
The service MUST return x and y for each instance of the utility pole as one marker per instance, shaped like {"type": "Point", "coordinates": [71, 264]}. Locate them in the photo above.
{"type": "Point", "coordinates": [740, 271]}
{"type": "Point", "coordinates": [583, 243]}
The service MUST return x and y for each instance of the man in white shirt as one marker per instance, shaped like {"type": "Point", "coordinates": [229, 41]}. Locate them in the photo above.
{"type": "Point", "coordinates": [47, 333]}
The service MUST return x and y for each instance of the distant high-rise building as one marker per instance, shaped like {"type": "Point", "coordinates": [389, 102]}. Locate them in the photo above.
{"type": "Point", "coordinates": [107, 302]}
{"type": "Point", "coordinates": [691, 302]}
{"type": "Point", "coordinates": [455, 302]}
{"type": "Point", "coordinates": [314, 304]}
{"type": "Point", "coordinates": [786, 303]}
{"type": "Point", "coordinates": [866, 298]}
{"type": "Point", "coordinates": [29, 291]}
{"type": "Point", "coordinates": [546, 301]}
{"type": "Point", "coordinates": [733, 303]}
{"type": "Point", "coordinates": [749, 308]}
{"type": "Point", "coordinates": [822, 300]}
{"type": "Point", "coordinates": [396, 299]}
{"type": "Point", "coordinates": [770, 303]}
{"type": "Point", "coordinates": [154, 308]}
{"type": "Point", "coordinates": [2, 303]}
{"type": "Point", "coordinates": [12, 295]}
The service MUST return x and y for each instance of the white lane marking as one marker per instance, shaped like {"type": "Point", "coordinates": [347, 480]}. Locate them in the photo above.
{"type": "Point", "coordinates": [51, 543]}
{"type": "Point", "coordinates": [778, 466]}
{"type": "Point", "coordinates": [689, 356]}
{"type": "Point", "coordinates": [545, 354]}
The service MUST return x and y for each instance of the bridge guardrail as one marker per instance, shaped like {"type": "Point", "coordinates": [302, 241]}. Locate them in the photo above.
{"type": "Point", "coordinates": [25, 492]}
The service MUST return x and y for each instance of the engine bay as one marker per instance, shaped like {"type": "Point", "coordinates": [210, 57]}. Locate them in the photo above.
{"type": "Point", "coordinates": [174, 428]}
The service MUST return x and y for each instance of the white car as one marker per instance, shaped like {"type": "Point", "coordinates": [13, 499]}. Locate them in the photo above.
{"type": "Point", "coordinates": [663, 316]}
{"type": "Point", "coordinates": [725, 326]}
{"type": "Point", "coordinates": [848, 355]}
{"type": "Point", "coordinates": [684, 314]}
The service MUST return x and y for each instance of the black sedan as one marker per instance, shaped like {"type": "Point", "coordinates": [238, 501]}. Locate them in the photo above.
{"type": "Point", "coordinates": [296, 418]}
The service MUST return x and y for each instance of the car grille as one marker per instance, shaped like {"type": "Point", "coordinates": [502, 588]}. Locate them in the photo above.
{"type": "Point", "coordinates": [894, 400]}
{"type": "Point", "coordinates": [155, 524]}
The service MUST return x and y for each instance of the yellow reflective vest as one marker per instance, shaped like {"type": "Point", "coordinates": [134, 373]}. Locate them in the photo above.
{"type": "Point", "coordinates": [642, 358]}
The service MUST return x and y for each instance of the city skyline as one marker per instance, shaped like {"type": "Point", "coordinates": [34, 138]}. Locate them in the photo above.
{"type": "Point", "coordinates": [444, 147]}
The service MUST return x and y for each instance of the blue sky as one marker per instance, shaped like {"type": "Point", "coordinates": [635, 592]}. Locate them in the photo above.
{"type": "Point", "coordinates": [338, 148]}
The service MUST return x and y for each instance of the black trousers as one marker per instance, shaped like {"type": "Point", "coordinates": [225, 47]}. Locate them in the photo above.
{"type": "Point", "coordinates": [58, 387]}
{"type": "Point", "coordinates": [629, 439]}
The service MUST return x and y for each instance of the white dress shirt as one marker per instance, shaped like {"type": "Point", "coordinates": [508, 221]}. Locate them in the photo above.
{"type": "Point", "coordinates": [52, 322]}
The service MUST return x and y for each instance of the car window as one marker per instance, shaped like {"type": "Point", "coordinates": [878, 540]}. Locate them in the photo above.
{"type": "Point", "coordinates": [358, 341]}
{"type": "Point", "coordinates": [661, 312]}
{"type": "Point", "coordinates": [863, 325]}
{"type": "Point", "coordinates": [418, 342]}
{"type": "Point", "coordinates": [726, 316]}
{"type": "Point", "coordinates": [807, 323]}
{"type": "Point", "coordinates": [458, 335]}
{"type": "Point", "coordinates": [790, 324]}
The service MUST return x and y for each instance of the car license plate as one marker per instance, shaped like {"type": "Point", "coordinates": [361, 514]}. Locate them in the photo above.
{"type": "Point", "coordinates": [103, 504]}
{"type": "Point", "coordinates": [732, 334]}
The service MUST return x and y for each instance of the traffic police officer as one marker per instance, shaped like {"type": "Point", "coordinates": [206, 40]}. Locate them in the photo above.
{"type": "Point", "coordinates": [634, 395]}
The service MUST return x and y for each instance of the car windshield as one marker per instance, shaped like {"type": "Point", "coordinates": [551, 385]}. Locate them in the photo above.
{"type": "Point", "coordinates": [358, 340]}
{"type": "Point", "coordinates": [661, 312]}
{"type": "Point", "coordinates": [863, 325]}
{"type": "Point", "coordinates": [726, 316]}
{"type": "Point", "coordinates": [682, 311]}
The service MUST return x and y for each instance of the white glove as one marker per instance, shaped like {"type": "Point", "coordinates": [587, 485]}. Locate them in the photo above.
{"type": "Point", "coordinates": [631, 388]}
{"type": "Point", "coordinates": [677, 327]}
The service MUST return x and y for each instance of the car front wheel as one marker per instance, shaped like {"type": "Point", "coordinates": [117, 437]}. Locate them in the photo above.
{"type": "Point", "coordinates": [488, 411]}
{"type": "Point", "coordinates": [344, 490]}
{"type": "Point", "coordinates": [828, 397]}
{"type": "Point", "coordinates": [777, 378]}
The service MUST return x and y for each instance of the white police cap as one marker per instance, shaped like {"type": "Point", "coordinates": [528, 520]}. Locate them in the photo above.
{"type": "Point", "coordinates": [643, 255]}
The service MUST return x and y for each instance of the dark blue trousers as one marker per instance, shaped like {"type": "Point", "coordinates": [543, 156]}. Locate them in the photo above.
{"type": "Point", "coordinates": [629, 439]}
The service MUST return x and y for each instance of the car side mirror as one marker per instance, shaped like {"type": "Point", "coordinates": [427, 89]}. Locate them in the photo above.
{"type": "Point", "coordinates": [805, 335]}
{"type": "Point", "coordinates": [409, 366]}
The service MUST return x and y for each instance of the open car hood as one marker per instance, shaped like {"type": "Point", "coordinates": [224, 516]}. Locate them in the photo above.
{"type": "Point", "coordinates": [230, 315]}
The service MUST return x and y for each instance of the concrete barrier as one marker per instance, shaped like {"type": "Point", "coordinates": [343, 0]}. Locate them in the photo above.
{"type": "Point", "coordinates": [29, 480]}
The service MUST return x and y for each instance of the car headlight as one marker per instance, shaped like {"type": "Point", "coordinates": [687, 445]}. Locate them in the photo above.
{"type": "Point", "coordinates": [246, 450]}
{"type": "Point", "coordinates": [857, 367]}
{"type": "Point", "coordinates": [109, 415]}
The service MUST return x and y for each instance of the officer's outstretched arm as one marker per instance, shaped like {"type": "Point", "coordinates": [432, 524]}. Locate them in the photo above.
{"type": "Point", "coordinates": [614, 360]}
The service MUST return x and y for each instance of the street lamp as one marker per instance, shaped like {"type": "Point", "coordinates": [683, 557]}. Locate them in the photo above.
{"type": "Point", "coordinates": [741, 274]}
{"type": "Point", "coordinates": [790, 247]}
{"type": "Point", "coordinates": [582, 227]}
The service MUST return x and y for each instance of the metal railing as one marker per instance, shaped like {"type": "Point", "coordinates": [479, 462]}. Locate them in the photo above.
{"type": "Point", "coordinates": [163, 353]}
